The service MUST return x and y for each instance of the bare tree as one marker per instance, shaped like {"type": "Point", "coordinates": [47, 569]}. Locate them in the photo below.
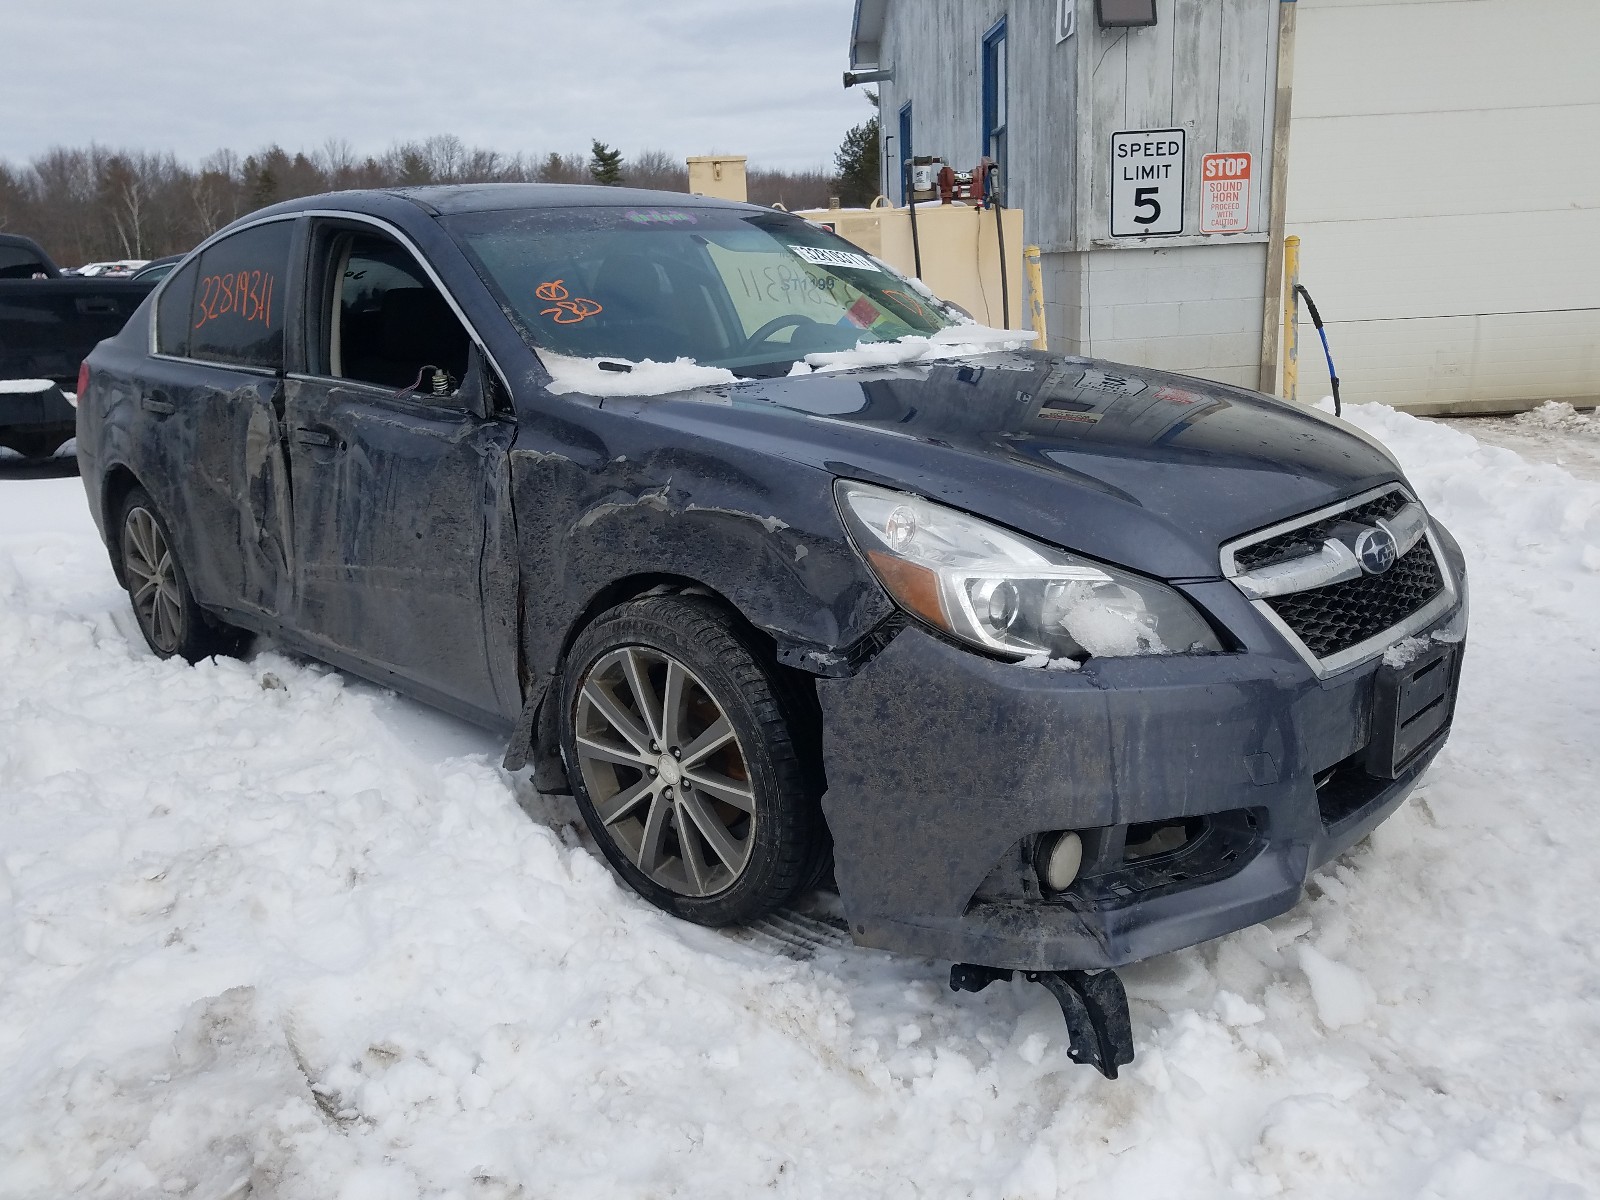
{"type": "Point", "coordinates": [89, 203]}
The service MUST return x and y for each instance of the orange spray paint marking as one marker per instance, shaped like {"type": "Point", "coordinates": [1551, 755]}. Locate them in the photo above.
{"type": "Point", "coordinates": [909, 302]}
{"type": "Point", "coordinates": [564, 309]}
{"type": "Point", "coordinates": [244, 294]}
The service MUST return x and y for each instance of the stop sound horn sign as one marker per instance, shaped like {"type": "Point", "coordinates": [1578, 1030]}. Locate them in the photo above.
{"type": "Point", "coordinates": [1225, 181]}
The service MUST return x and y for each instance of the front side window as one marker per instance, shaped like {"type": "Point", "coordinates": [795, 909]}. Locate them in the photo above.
{"type": "Point", "coordinates": [749, 291]}
{"type": "Point", "coordinates": [240, 297]}
{"type": "Point", "coordinates": [388, 324]}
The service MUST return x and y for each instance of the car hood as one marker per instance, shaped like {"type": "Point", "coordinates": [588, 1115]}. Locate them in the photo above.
{"type": "Point", "coordinates": [1143, 468]}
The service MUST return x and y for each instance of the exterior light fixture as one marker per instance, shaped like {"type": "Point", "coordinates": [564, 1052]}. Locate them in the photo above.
{"type": "Point", "coordinates": [1125, 14]}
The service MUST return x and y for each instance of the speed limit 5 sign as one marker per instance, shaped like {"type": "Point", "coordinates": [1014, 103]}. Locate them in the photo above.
{"type": "Point", "coordinates": [1147, 182]}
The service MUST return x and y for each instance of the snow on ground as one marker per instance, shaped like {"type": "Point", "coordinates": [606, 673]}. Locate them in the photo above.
{"type": "Point", "coordinates": [1554, 433]}
{"type": "Point", "coordinates": [268, 932]}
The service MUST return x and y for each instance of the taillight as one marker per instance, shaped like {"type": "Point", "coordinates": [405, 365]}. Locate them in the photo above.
{"type": "Point", "coordinates": [83, 379]}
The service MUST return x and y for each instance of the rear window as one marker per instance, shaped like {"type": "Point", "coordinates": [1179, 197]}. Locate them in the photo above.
{"type": "Point", "coordinates": [240, 298]}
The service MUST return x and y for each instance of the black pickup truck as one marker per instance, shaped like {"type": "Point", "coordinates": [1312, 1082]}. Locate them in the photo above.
{"type": "Point", "coordinates": [48, 325]}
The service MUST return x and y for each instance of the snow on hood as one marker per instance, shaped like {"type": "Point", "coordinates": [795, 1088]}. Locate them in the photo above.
{"type": "Point", "coordinates": [957, 341]}
{"type": "Point", "coordinates": [625, 377]}
{"type": "Point", "coordinates": [591, 376]}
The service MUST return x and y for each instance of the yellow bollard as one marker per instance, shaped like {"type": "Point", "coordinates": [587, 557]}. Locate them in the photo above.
{"type": "Point", "coordinates": [1291, 318]}
{"type": "Point", "coordinates": [1030, 264]}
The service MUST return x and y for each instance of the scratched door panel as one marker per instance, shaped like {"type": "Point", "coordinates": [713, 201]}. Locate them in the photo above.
{"type": "Point", "coordinates": [392, 499]}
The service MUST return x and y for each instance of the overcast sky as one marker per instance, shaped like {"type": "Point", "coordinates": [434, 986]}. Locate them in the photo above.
{"type": "Point", "coordinates": [759, 77]}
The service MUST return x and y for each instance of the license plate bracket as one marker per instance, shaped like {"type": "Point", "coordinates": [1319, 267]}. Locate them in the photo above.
{"type": "Point", "coordinates": [1411, 706]}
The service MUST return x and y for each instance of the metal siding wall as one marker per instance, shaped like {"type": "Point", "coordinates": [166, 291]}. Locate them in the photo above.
{"type": "Point", "coordinates": [936, 48]}
{"type": "Point", "coordinates": [1209, 67]}
{"type": "Point", "coordinates": [1186, 303]}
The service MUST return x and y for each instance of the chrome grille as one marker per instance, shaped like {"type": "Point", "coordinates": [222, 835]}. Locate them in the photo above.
{"type": "Point", "coordinates": [1308, 538]}
{"type": "Point", "coordinates": [1334, 618]}
{"type": "Point", "coordinates": [1305, 579]}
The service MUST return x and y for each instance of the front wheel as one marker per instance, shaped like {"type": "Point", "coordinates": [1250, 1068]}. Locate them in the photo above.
{"type": "Point", "coordinates": [678, 741]}
{"type": "Point", "coordinates": [172, 623]}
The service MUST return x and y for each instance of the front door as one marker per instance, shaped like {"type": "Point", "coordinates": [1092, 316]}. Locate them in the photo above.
{"type": "Point", "coordinates": [396, 481]}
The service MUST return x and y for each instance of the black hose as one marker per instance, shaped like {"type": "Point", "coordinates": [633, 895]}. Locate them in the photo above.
{"type": "Point", "coordinates": [1000, 229]}
{"type": "Point", "coordinates": [1316, 319]}
{"type": "Point", "coordinates": [911, 202]}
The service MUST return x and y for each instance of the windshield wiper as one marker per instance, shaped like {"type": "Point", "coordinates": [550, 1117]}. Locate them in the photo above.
{"type": "Point", "coordinates": [766, 370]}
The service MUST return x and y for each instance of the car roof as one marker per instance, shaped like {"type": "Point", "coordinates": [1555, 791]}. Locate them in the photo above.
{"type": "Point", "coordinates": [453, 199]}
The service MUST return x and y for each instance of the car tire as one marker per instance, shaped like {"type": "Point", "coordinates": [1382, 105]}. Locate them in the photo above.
{"type": "Point", "coordinates": [173, 624]}
{"type": "Point", "coordinates": [674, 722]}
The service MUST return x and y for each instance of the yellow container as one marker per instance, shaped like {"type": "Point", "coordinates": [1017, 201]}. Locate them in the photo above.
{"type": "Point", "coordinates": [960, 251]}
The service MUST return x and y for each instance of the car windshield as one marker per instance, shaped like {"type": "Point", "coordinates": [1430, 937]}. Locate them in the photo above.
{"type": "Point", "coordinates": [750, 291]}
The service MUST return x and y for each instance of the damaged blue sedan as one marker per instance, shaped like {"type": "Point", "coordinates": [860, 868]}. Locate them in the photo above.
{"type": "Point", "coordinates": [786, 571]}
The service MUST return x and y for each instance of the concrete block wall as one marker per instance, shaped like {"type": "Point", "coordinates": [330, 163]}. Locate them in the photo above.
{"type": "Point", "coordinates": [1192, 309]}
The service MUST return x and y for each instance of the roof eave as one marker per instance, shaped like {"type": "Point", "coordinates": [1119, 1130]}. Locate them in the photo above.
{"type": "Point", "coordinates": [866, 34]}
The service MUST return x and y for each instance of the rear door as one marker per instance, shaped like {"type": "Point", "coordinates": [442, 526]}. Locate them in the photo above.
{"type": "Point", "coordinates": [209, 442]}
{"type": "Point", "coordinates": [400, 473]}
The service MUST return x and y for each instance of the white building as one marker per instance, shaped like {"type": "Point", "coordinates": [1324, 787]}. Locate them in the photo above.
{"type": "Point", "coordinates": [1445, 181]}
{"type": "Point", "coordinates": [1440, 172]}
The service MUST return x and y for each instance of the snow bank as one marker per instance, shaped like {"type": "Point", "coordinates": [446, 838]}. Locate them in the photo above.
{"type": "Point", "coordinates": [263, 930]}
{"type": "Point", "coordinates": [24, 386]}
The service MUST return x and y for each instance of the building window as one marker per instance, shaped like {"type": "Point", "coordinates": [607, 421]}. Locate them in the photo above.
{"type": "Point", "coordinates": [995, 75]}
{"type": "Point", "coordinates": [905, 153]}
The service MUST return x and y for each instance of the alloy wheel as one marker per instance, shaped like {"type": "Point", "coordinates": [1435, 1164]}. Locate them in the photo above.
{"type": "Point", "coordinates": [665, 771]}
{"type": "Point", "coordinates": [152, 580]}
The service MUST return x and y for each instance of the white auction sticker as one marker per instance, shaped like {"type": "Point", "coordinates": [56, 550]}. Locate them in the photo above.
{"type": "Point", "coordinates": [1225, 192]}
{"type": "Point", "coordinates": [821, 257]}
{"type": "Point", "coordinates": [1147, 182]}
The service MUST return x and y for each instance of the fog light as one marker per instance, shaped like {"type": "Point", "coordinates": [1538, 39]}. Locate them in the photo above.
{"type": "Point", "coordinates": [1062, 863]}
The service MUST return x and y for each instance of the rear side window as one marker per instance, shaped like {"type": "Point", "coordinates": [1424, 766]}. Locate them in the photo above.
{"type": "Point", "coordinates": [240, 297]}
{"type": "Point", "coordinates": [174, 312]}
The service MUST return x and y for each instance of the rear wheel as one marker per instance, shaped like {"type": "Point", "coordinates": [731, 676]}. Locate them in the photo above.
{"type": "Point", "coordinates": [683, 762]}
{"type": "Point", "coordinates": [169, 618]}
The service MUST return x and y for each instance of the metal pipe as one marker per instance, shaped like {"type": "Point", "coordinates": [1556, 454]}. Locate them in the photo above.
{"type": "Point", "coordinates": [873, 75]}
{"type": "Point", "coordinates": [1000, 230]}
{"type": "Point", "coordinates": [1278, 205]}
{"type": "Point", "coordinates": [911, 203]}
{"type": "Point", "coordinates": [1035, 273]}
{"type": "Point", "coordinates": [1291, 318]}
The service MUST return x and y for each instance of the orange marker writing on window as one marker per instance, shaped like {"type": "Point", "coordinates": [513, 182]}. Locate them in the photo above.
{"type": "Point", "coordinates": [565, 310]}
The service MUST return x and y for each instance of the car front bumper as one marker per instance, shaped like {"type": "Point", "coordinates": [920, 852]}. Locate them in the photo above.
{"type": "Point", "coordinates": [946, 769]}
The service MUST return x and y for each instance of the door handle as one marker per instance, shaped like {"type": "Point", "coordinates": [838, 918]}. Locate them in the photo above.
{"type": "Point", "coordinates": [156, 404]}
{"type": "Point", "coordinates": [312, 437]}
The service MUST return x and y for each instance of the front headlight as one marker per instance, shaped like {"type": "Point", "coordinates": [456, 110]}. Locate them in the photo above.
{"type": "Point", "coordinates": [1009, 594]}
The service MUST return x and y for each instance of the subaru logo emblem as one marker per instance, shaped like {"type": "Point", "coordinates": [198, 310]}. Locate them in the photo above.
{"type": "Point", "coordinates": [1376, 551]}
